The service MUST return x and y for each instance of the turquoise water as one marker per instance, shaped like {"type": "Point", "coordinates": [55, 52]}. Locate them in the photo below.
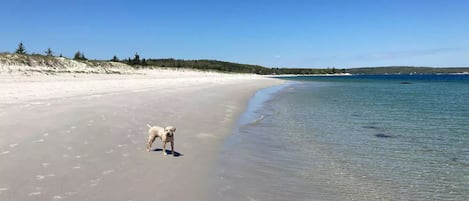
{"type": "Point", "coordinates": [352, 138]}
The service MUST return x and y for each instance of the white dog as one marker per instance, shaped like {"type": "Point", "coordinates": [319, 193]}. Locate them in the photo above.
{"type": "Point", "coordinates": [165, 134]}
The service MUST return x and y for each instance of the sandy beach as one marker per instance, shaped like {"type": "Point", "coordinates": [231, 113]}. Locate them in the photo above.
{"type": "Point", "coordinates": [82, 136]}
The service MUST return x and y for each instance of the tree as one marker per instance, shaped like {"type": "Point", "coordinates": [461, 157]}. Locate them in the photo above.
{"type": "Point", "coordinates": [136, 59]}
{"type": "Point", "coordinates": [83, 56]}
{"type": "Point", "coordinates": [49, 52]}
{"type": "Point", "coordinates": [77, 55]}
{"type": "Point", "coordinates": [115, 59]}
{"type": "Point", "coordinates": [20, 49]}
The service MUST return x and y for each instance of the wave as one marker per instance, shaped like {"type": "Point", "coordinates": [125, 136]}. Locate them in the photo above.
{"type": "Point", "coordinates": [256, 121]}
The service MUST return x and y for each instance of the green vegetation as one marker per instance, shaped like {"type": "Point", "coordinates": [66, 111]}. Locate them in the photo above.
{"type": "Point", "coordinates": [49, 52]}
{"type": "Point", "coordinates": [223, 66]}
{"type": "Point", "coordinates": [79, 56]}
{"type": "Point", "coordinates": [21, 49]}
{"type": "Point", "coordinates": [115, 59]}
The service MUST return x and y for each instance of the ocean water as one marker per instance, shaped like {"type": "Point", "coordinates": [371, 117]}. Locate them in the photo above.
{"type": "Point", "coordinates": [394, 137]}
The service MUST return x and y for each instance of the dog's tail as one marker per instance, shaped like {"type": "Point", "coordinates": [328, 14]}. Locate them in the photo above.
{"type": "Point", "coordinates": [148, 125]}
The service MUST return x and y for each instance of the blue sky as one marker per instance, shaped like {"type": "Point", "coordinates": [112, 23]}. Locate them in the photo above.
{"type": "Point", "coordinates": [295, 33]}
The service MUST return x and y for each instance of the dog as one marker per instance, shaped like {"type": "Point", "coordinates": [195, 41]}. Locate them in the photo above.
{"type": "Point", "coordinates": [165, 134]}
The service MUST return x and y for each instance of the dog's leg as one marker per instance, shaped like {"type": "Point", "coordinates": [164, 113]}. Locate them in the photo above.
{"type": "Point", "coordinates": [164, 148]}
{"type": "Point", "coordinates": [151, 139]}
{"type": "Point", "coordinates": [172, 147]}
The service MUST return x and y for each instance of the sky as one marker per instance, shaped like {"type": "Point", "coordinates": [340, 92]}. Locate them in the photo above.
{"type": "Point", "coordinates": [288, 33]}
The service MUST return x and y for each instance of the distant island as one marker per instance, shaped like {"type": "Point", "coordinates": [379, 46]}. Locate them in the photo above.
{"type": "Point", "coordinates": [21, 62]}
{"type": "Point", "coordinates": [407, 70]}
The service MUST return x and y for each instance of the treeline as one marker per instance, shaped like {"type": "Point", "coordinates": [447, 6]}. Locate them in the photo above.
{"type": "Point", "coordinates": [137, 62]}
{"type": "Point", "coordinates": [224, 66]}
{"type": "Point", "coordinates": [206, 65]}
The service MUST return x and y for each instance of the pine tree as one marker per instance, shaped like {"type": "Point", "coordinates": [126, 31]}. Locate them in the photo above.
{"type": "Point", "coordinates": [83, 56]}
{"type": "Point", "coordinates": [49, 52]}
{"type": "Point", "coordinates": [20, 49]}
{"type": "Point", "coordinates": [77, 55]}
{"type": "Point", "coordinates": [115, 59]}
{"type": "Point", "coordinates": [136, 59]}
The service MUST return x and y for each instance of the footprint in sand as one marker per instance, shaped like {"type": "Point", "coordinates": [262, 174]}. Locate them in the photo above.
{"type": "Point", "coordinates": [125, 155]}
{"type": "Point", "coordinates": [57, 197]}
{"type": "Point", "coordinates": [40, 177]}
{"type": "Point", "coordinates": [106, 172]}
{"type": "Point", "coordinates": [76, 167]}
{"type": "Point", "coordinates": [86, 142]}
{"type": "Point", "coordinates": [34, 193]}
{"type": "Point", "coordinates": [4, 152]}
{"type": "Point", "coordinates": [45, 164]}
{"type": "Point", "coordinates": [39, 141]}
{"type": "Point", "coordinates": [13, 145]}
{"type": "Point", "coordinates": [122, 145]}
{"type": "Point", "coordinates": [95, 182]}
{"type": "Point", "coordinates": [81, 156]}
{"type": "Point", "coordinates": [69, 148]}
{"type": "Point", "coordinates": [73, 127]}
{"type": "Point", "coordinates": [45, 134]}
{"type": "Point", "coordinates": [109, 151]}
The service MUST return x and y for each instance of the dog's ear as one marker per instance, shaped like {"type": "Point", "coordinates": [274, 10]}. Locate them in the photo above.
{"type": "Point", "coordinates": [173, 129]}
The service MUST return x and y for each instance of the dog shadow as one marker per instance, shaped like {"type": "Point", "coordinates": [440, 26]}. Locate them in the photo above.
{"type": "Point", "coordinates": [175, 154]}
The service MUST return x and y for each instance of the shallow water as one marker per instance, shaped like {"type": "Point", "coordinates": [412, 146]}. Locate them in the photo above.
{"type": "Point", "coordinates": [352, 138]}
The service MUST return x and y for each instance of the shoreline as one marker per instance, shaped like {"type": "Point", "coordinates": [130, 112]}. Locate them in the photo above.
{"type": "Point", "coordinates": [229, 173]}
{"type": "Point", "coordinates": [88, 142]}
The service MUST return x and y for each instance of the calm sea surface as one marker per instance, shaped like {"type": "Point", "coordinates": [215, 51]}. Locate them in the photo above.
{"type": "Point", "coordinates": [398, 137]}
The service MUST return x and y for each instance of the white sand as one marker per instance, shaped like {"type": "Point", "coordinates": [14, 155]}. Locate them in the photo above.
{"type": "Point", "coordinates": [82, 137]}
{"type": "Point", "coordinates": [18, 88]}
